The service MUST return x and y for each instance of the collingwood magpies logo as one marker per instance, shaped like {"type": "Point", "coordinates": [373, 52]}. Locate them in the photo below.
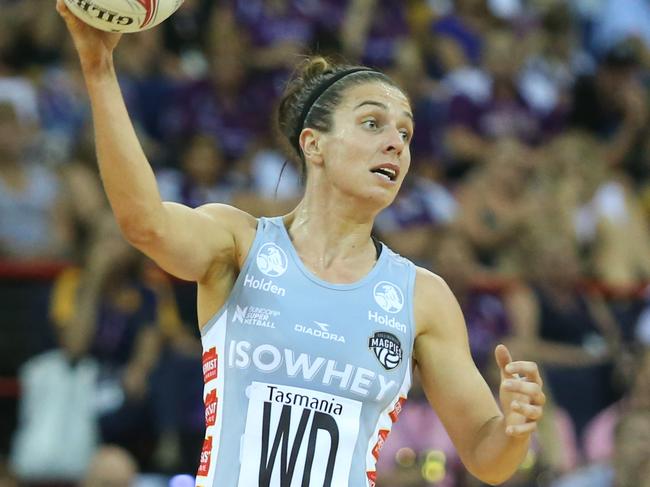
{"type": "Point", "coordinates": [387, 348]}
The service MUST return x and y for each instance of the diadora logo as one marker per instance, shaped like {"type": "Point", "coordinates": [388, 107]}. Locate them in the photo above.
{"type": "Point", "coordinates": [271, 260]}
{"type": "Point", "coordinates": [387, 349]}
{"type": "Point", "coordinates": [266, 285]}
{"type": "Point", "coordinates": [389, 297]}
{"type": "Point", "coordinates": [255, 316]}
{"type": "Point", "coordinates": [321, 331]}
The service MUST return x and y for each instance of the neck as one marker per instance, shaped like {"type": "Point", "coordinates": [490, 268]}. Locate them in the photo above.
{"type": "Point", "coordinates": [330, 228]}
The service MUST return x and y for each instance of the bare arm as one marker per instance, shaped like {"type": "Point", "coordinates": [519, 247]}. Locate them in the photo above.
{"type": "Point", "coordinates": [491, 443]}
{"type": "Point", "coordinates": [185, 242]}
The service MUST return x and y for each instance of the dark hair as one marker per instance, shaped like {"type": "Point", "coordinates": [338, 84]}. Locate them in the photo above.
{"type": "Point", "coordinates": [623, 55]}
{"type": "Point", "coordinates": [313, 93]}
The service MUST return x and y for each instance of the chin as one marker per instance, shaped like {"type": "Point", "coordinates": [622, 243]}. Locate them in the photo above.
{"type": "Point", "coordinates": [379, 199]}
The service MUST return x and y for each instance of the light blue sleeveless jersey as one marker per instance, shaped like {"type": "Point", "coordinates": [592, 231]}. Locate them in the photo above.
{"type": "Point", "coordinates": [304, 378]}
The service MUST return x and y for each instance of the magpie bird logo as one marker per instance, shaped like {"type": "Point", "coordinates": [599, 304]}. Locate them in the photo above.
{"type": "Point", "coordinates": [388, 296]}
{"type": "Point", "coordinates": [272, 260]}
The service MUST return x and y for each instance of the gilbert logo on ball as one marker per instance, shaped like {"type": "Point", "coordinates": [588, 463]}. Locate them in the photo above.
{"type": "Point", "coordinates": [123, 15]}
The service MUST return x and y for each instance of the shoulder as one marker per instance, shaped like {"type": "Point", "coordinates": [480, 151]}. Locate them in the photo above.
{"type": "Point", "coordinates": [230, 216]}
{"type": "Point", "coordinates": [430, 287]}
{"type": "Point", "coordinates": [436, 309]}
{"type": "Point", "coordinates": [240, 225]}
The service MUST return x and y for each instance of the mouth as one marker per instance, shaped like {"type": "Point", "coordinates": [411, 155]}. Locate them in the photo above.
{"type": "Point", "coordinates": [388, 171]}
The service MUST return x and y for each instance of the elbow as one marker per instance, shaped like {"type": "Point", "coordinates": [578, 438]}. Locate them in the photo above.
{"type": "Point", "coordinates": [140, 232]}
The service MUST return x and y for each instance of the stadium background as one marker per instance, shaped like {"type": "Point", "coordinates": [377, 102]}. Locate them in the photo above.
{"type": "Point", "coordinates": [529, 193]}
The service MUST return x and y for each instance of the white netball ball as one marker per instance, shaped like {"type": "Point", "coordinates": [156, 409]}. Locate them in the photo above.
{"type": "Point", "coordinates": [123, 15]}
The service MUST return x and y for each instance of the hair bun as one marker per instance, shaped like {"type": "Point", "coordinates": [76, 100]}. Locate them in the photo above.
{"type": "Point", "coordinates": [313, 67]}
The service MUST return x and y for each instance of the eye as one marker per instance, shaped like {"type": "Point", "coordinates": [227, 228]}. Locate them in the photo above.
{"type": "Point", "coordinates": [370, 124]}
{"type": "Point", "coordinates": [406, 135]}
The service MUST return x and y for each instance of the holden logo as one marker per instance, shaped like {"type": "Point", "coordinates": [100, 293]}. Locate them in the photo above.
{"type": "Point", "coordinates": [387, 349]}
{"type": "Point", "coordinates": [272, 260]}
{"type": "Point", "coordinates": [389, 297]}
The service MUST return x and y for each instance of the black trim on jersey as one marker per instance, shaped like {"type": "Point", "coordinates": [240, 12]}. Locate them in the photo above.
{"type": "Point", "coordinates": [378, 246]}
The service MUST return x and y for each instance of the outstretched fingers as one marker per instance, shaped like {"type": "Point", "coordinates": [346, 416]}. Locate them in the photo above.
{"type": "Point", "coordinates": [531, 390]}
{"type": "Point", "coordinates": [526, 369]}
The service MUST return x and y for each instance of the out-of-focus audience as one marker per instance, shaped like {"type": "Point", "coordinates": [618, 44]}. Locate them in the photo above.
{"type": "Point", "coordinates": [36, 221]}
{"type": "Point", "coordinates": [110, 466]}
{"type": "Point", "coordinates": [529, 193]}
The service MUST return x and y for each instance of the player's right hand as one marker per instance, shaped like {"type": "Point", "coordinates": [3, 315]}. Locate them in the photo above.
{"type": "Point", "coordinates": [95, 47]}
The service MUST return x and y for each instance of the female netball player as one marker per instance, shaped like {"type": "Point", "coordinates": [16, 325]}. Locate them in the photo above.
{"type": "Point", "coordinates": [310, 328]}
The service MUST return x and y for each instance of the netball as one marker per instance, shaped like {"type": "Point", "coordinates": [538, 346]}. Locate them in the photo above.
{"type": "Point", "coordinates": [123, 16]}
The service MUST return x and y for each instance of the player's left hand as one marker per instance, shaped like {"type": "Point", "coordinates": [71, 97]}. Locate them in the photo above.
{"type": "Point", "coordinates": [520, 393]}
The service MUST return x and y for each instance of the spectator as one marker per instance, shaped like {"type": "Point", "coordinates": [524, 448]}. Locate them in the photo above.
{"type": "Point", "coordinates": [111, 314]}
{"type": "Point", "coordinates": [487, 320]}
{"type": "Point", "coordinates": [62, 109]}
{"type": "Point", "coordinates": [492, 107]}
{"type": "Point", "coordinates": [149, 76]}
{"type": "Point", "coordinates": [111, 466]}
{"type": "Point", "coordinates": [228, 103]}
{"type": "Point", "coordinates": [612, 105]}
{"type": "Point", "coordinates": [554, 60]}
{"type": "Point", "coordinates": [149, 383]}
{"type": "Point", "coordinates": [277, 30]}
{"type": "Point", "coordinates": [185, 33]}
{"type": "Point", "coordinates": [202, 178]}
{"type": "Point", "coordinates": [494, 204]}
{"type": "Point", "coordinates": [37, 36]}
{"type": "Point", "coordinates": [82, 185]}
{"type": "Point", "coordinates": [566, 330]}
{"type": "Point", "coordinates": [274, 184]}
{"type": "Point", "coordinates": [373, 31]}
{"type": "Point", "coordinates": [455, 39]}
{"type": "Point", "coordinates": [615, 210]}
{"type": "Point", "coordinates": [618, 439]}
{"type": "Point", "coordinates": [57, 431]}
{"type": "Point", "coordinates": [36, 223]}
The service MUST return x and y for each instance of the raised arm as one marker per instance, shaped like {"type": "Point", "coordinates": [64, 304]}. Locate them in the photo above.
{"type": "Point", "coordinates": [491, 441]}
{"type": "Point", "coordinates": [186, 242]}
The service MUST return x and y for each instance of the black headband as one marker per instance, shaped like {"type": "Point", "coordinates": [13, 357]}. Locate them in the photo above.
{"type": "Point", "coordinates": [316, 93]}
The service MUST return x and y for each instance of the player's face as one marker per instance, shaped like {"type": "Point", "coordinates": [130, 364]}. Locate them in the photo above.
{"type": "Point", "coordinates": [367, 151]}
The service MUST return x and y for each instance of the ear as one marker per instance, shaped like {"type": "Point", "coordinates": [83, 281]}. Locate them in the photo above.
{"type": "Point", "coordinates": [310, 141]}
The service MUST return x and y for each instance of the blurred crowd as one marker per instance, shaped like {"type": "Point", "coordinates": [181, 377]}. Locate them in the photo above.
{"type": "Point", "coordinates": [529, 193]}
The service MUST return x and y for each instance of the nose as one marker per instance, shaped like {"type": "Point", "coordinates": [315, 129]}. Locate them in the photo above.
{"type": "Point", "coordinates": [394, 142]}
